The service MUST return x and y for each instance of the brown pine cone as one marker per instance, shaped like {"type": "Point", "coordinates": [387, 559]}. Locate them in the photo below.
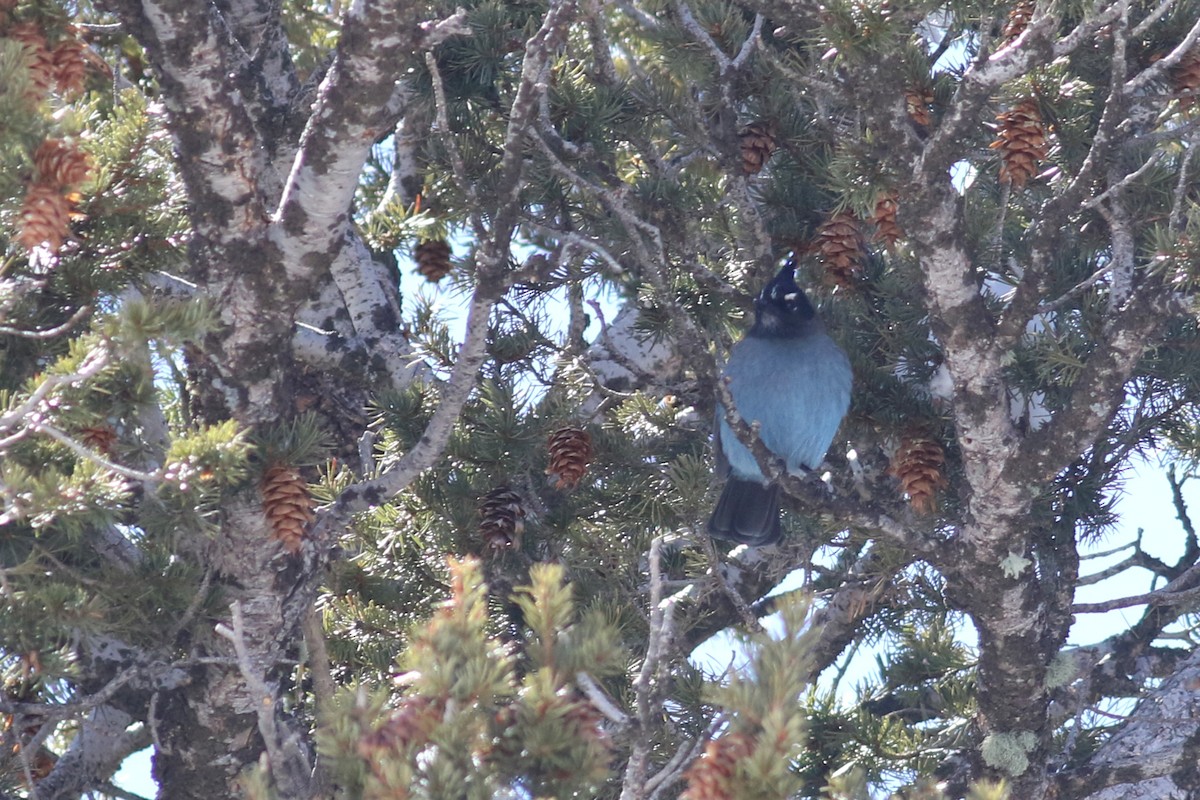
{"type": "Point", "coordinates": [70, 67]}
{"type": "Point", "coordinates": [1021, 140]}
{"type": "Point", "coordinates": [501, 519]}
{"type": "Point", "coordinates": [410, 724]}
{"type": "Point", "coordinates": [711, 776]}
{"type": "Point", "coordinates": [1018, 20]}
{"type": "Point", "coordinates": [839, 247]}
{"type": "Point", "coordinates": [38, 57]}
{"type": "Point", "coordinates": [757, 141]}
{"type": "Point", "coordinates": [570, 451]}
{"type": "Point", "coordinates": [918, 464]}
{"type": "Point", "coordinates": [1185, 79]}
{"type": "Point", "coordinates": [887, 229]}
{"type": "Point", "coordinates": [433, 259]}
{"type": "Point", "coordinates": [101, 438]}
{"type": "Point", "coordinates": [287, 504]}
{"type": "Point", "coordinates": [60, 163]}
{"type": "Point", "coordinates": [917, 101]}
{"type": "Point", "coordinates": [45, 218]}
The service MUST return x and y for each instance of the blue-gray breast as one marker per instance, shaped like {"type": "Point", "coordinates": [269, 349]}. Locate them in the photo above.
{"type": "Point", "coordinates": [791, 378]}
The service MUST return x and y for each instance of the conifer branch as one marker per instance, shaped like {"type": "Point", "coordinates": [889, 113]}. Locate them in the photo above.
{"type": "Point", "coordinates": [1178, 205]}
{"type": "Point", "coordinates": [1151, 745]}
{"type": "Point", "coordinates": [687, 753]}
{"type": "Point", "coordinates": [453, 396]}
{"type": "Point", "coordinates": [736, 600]}
{"type": "Point", "coordinates": [102, 742]}
{"type": "Point", "coordinates": [1074, 291]}
{"type": "Point", "coordinates": [1179, 593]}
{"type": "Point", "coordinates": [90, 366]}
{"type": "Point", "coordinates": [442, 128]}
{"type": "Point", "coordinates": [1154, 16]}
{"type": "Point", "coordinates": [1098, 390]}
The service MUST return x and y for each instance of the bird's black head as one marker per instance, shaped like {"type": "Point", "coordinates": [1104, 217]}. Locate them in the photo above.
{"type": "Point", "coordinates": [781, 309]}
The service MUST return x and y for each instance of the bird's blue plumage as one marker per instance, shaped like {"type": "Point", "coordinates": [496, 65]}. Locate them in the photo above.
{"type": "Point", "coordinates": [790, 377]}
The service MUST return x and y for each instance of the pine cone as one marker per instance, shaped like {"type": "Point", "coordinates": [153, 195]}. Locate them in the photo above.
{"type": "Point", "coordinates": [917, 101]}
{"type": "Point", "coordinates": [38, 57]}
{"type": "Point", "coordinates": [1185, 79]}
{"type": "Point", "coordinates": [70, 67]}
{"type": "Point", "coordinates": [711, 777]}
{"type": "Point", "coordinates": [287, 504]}
{"type": "Point", "coordinates": [758, 142]}
{"type": "Point", "coordinates": [60, 163]}
{"type": "Point", "coordinates": [1018, 20]}
{"type": "Point", "coordinates": [887, 229]}
{"type": "Point", "coordinates": [570, 451]}
{"type": "Point", "coordinates": [45, 217]}
{"type": "Point", "coordinates": [1021, 142]}
{"type": "Point", "coordinates": [918, 464]}
{"type": "Point", "coordinates": [433, 259]}
{"type": "Point", "coordinates": [501, 519]}
{"type": "Point", "coordinates": [587, 720]}
{"type": "Point", "coordinates": [410, 724]}
{"type": "Point", "coordinates": [839, 245]}
{"type": "Point", "coordinates": [99, 437]}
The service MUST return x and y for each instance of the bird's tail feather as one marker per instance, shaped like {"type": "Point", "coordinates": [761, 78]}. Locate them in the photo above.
{"type": "Point", "coordinates": [748, 513]}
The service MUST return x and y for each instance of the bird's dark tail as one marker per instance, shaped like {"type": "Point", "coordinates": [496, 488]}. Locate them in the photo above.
{"type": "Point", "coordinates": [748, 513]}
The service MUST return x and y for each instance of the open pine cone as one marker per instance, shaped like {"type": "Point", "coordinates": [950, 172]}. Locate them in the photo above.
{"type": "Point", "coordinates": [839, 246]}
{"type": "Point", "coordinates": [570, 451]}
{"type": "Point", "coordinates": [711, 777]}
{"type": "Point", "coordinates": [887, 229]}
{"type": "Point", "coordinates": [501, 519]}
{"type": "Point", "coordinates": [757, 141]}
{"type": "Point", "coordinates": [60, 163]}
{"type": "Point", "coordinates": [1021, 140]}
{"type": "Point", "coordinates": [45, 217]}
{"type": "Point", "coordinates": [918, 464]}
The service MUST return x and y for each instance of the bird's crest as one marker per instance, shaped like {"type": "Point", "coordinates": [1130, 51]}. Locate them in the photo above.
{"type": "Point", "coordinates": [782, 309]}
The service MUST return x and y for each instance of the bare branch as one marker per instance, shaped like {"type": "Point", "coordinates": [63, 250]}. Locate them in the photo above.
{"type": "Point", "coordinates": [290, 765]}
{"type": "Point", "coordinates": [48, 333]}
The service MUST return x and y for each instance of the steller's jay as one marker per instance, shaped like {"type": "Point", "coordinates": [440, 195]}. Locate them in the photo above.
{"type": "Point", "coordinates": [790, 377]}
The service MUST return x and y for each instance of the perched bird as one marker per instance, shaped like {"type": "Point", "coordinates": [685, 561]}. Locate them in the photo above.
{"type": "Point", "coordinates": [791, 378]}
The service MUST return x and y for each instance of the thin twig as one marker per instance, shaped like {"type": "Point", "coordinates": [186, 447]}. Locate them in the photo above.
{"type": "Point", "coordinates": [1074, 291]}
{"type": "Point", "coordinates": [324, 687]}
{"type": "Point", "coordinates": [662, 616]}
{"type": "Point", "coordinates": [1165, 596]}
{"type": "Point", "coordinates": [83, 452]}
{"type": "Point", "coordinates": [442, 128]}
{"type": "Point", "coordinates": [601, 701]}
{"type": "Point", "coordinates": [666, 777]}
{"type": "Point", "coordinates": [289, 763]}
{"type": "Point", "coordinates": [93, 363]}
{"type": "Point", "coordinates": [49, 333]}
{"type": "Point", "coordinates": [1159, 68]}
{"type": "Point", "coordinates": [1124, 183]}
{"type": "Point", "coordinates": [736, 600]}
